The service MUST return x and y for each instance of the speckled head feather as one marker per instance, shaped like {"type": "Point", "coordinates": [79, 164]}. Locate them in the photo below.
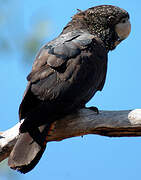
{"type": "Point", "coordinates": [99, 21]}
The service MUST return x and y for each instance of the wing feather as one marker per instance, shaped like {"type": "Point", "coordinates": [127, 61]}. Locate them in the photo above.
{"type": "Point", "coordinates": [63, 67]}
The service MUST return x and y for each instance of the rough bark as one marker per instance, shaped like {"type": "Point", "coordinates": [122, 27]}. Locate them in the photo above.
{"type": "Point", "coordinates": [106, 123]}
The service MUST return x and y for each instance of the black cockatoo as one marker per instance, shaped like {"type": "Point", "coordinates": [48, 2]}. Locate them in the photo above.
{"type": "Point", "coordinates": [66, 74]}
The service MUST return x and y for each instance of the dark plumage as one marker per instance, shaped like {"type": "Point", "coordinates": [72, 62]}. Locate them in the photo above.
{"type": "Point", "coordinates": [66, 74]}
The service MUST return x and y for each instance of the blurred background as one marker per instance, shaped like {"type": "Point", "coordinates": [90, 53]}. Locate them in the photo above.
{"type": "Point", "coordinates": [24, 27]}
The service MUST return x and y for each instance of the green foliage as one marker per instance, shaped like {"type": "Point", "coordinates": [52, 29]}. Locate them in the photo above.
{"type": "Point", "coordinates": [20, 33]}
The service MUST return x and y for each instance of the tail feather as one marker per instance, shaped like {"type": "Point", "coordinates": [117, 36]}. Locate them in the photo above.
{"type": "Point", "coordinates": [25, 154]}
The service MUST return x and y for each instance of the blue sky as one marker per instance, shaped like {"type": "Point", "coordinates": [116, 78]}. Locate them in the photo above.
{"type": "Point", "coordinates": [93, 156]}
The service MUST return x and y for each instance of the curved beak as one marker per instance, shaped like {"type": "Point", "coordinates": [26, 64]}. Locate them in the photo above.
{"type": "Point", "coordinates": [123, 30]}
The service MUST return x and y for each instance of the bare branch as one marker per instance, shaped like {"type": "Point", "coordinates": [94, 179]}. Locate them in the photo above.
{"type": "Point", "coordinates": [106, 123]}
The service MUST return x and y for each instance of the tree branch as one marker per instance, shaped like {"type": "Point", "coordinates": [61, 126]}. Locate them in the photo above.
{"type": "Point", "coordinates": [106, 123]}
